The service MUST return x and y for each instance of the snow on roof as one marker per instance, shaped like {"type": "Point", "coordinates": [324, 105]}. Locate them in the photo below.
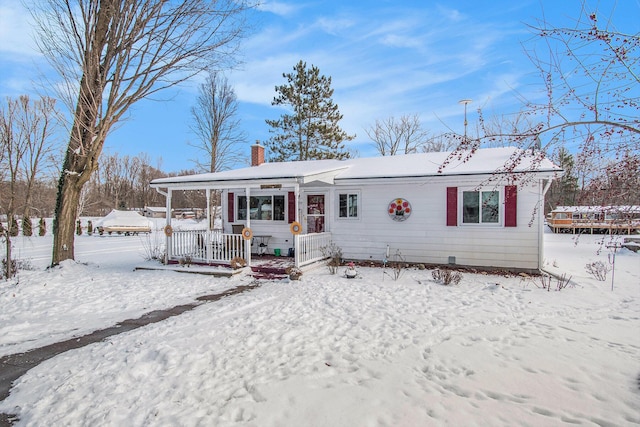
{"type": "Point", "coordinates": [155, 208]}
{"type": "Point", "coordinates": [276, 170]}
{"type": "Point", "coordinates": [483, 161]}
{"type": "Point", "coordinates": [489, 160]}
{"type": "Point", "coordinates": [117, 218]}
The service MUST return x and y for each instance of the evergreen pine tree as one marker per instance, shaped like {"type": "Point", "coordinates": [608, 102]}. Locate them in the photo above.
{"type": "Point", "coordinates": [42, 227]}
{"type": "Point", "coordinates": [563, 191]}
{"type": "Point", "coordinates": [89, 228]}
{"type": "Point", "coordinates": [27, 226]}
{"type": "Point", "coordinates": [78, 228]}
{"type": "Point", "coordinates": [311, 132]}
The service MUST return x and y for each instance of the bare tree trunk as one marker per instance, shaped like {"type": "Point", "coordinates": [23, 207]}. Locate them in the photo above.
{"type": "Point", "coordinates": [80, 162]}
{"type": "Point", "coordinates": [64, 220]}
{"type": "Point", "coordinates": [122, 52]}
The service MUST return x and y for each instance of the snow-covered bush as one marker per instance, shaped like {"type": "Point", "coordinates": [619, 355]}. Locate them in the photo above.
{"type": "Point", "coordinates": [294, 273]}
{"type": "Point", "coordinates": [27, 226]}
{"type": "Point", "coordinates": [238, 262]}
{"type": "Point", "coordinates": [598, 269]}
{"type": "Point", "coordinates": [14, 226]}
{"type": "Point", "coordinates": [334, 255]}
{"type": "Point", "coordinates": [42, 227]}
{"type": "Point", "coordinates": [446, 277]}
{"type": "Point", "coordinates": [153, 247]}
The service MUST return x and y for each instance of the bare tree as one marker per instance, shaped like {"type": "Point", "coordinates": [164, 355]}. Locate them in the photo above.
{"type": "Point", "coordinates": [592, 92]}
{"type": "Point", "coordinates": [25, 132]}
{"type": "Point", "coordinates": [439, 143]}
{"type": "Point", "coordinates": [393, 136]}
{"type": "Point", "coordinates": [216, 125]}
{"type": "Point", "coordinates": [113, 53]}
{"type": "Point", "coordinates": [38, 120]}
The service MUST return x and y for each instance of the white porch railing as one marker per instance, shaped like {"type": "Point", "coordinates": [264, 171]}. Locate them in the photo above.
{"type": "Point", "coordinates": [207, 246]}
{"type": "Point", "coordinates": [308, 247]}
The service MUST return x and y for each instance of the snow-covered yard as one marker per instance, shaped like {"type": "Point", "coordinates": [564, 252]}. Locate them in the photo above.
{"type": "Point", "coordinates": [326, 350]}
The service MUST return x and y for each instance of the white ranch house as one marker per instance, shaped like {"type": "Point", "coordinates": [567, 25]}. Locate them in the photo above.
{"type": "Point", "coordinates": [471, 213]}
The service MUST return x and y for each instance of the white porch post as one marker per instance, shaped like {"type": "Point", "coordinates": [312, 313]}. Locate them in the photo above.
{"type": "Point", "coordinates": [207, 239]}
{"type": "Point", "coordinates": [247, 246]}
{"type": "Point", "coordinates": [296, 195]}
{"type": "Point", "coordinates": [296, 240]}
{"type": "Point", "coordinates": [168, 224]}
{"type": "Point", "coordinates": [541, 217]}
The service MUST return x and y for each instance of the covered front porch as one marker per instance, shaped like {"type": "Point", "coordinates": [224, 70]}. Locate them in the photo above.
{"type": "Point", "coordinates": [269, 208]}
{"type": "Point", "coordinates": [215, 248]}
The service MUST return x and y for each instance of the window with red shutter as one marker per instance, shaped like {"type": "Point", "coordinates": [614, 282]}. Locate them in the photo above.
{"type": "Point", "coordinates": [452, 206]}
{"type": "Point", "coordinates": [291, 207]}
{"type": "Point", "coordinates": [231, 216]}
{"type": "Point", "coordinates": [510, 205]}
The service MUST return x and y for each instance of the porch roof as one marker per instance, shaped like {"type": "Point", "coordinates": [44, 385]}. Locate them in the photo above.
{"type": "Point", "coordinates": [298, 172]}
{"type": "Point", "coordinates": [482, 162]}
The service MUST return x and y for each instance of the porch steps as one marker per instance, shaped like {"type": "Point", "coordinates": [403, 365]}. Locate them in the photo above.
{"type": "Point", "coordinates": [271, 269]}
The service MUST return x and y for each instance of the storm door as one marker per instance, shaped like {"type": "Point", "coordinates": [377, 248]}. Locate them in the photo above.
{"type": "Point", "coordinates": [315, 213]}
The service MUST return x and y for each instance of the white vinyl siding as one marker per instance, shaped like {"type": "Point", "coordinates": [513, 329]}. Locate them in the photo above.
{"type": "Point", "coordinates": [424, 236]}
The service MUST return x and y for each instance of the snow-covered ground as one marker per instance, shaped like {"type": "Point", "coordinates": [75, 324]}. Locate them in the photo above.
{"type": "Point", "coordinates": [325, 350]}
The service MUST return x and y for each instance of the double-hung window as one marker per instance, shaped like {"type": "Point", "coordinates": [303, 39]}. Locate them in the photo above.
{"type": "Point", "coordinates": [480, 207]}
{"type": "Point", "coordinates": [262, 208]}
{"type": "Point", "coordinates": [348, 205]}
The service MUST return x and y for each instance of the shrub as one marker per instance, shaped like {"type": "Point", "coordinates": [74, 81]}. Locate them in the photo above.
{"type": "Point", "coordinates": [238, 262]}
{"type": "Point", "coordinates": [598, 269]}
{"type": "Point", "coordinates": [546, 282]}
{"type": "Point", "coordinates": [397, 265]}
{"type": "Point", "coordinates": [14, 227]}
{"type": "Point", "coordinates": [42, 226]}
{"type": "Point", "coordinates": [334, 253]}
{"type": "Point", "coordinates": [78, 228]}
{"type": "Point", "coordinates": [89, 228]}
{"type": "Point", "coordinates": [446, 277]}
{"type": "Point", "coordinates": [294, 273]}
{"type": "Point", "coordinates": [27, 226]}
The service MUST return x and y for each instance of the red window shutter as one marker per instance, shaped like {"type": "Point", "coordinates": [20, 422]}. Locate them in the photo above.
{"type": "Point", "coordinates": [231, 216]}
{"type": "Point", "coordinates": [510, 205]}
{"type": "Point", "coordinates": [452, 206]}
{"type": "Point", "coordinates": [291, 207]}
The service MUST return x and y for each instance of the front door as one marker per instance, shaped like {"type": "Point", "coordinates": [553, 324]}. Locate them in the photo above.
{"type": "Point", "coordinates": [315, 213]}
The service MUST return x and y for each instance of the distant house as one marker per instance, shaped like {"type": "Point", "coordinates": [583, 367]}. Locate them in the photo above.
{"type": "Point", "coordinates": [154, 212]}
{"type": "Point", "coordinates": [188, 213]}
{"type": "Point", "coordinates": [595, 219]}
{"type": "Point", "coordinates": [469, 213]}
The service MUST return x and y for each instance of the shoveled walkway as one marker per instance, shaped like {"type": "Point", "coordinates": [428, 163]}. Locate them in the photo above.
{"type": "Point", "coordinates": [14, 366]}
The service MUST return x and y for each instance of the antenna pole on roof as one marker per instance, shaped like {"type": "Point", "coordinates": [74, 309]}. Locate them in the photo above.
{"type": "Point", "coordinates": [465, 102]}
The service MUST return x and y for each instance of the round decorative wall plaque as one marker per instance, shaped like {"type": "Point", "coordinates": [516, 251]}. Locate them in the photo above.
{"type": "Point", "coordinates": [399, 209]}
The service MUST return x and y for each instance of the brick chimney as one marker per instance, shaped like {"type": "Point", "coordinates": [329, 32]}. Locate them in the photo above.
{"type": "Point", "coordinates": [257, 154]}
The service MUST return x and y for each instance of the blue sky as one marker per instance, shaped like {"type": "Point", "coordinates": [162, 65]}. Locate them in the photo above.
{"type": "Point", "coordinates": [385, 58]}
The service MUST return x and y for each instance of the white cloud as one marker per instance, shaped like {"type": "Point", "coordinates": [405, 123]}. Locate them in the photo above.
{"type": "Point", "coordinates": [395, 40]}
{"type": "Point", "coordinates": [278, 8]}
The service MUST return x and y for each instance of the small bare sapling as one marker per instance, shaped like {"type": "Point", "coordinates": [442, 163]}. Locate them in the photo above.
{"type": "Point", "coordinates": [598, 269]}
